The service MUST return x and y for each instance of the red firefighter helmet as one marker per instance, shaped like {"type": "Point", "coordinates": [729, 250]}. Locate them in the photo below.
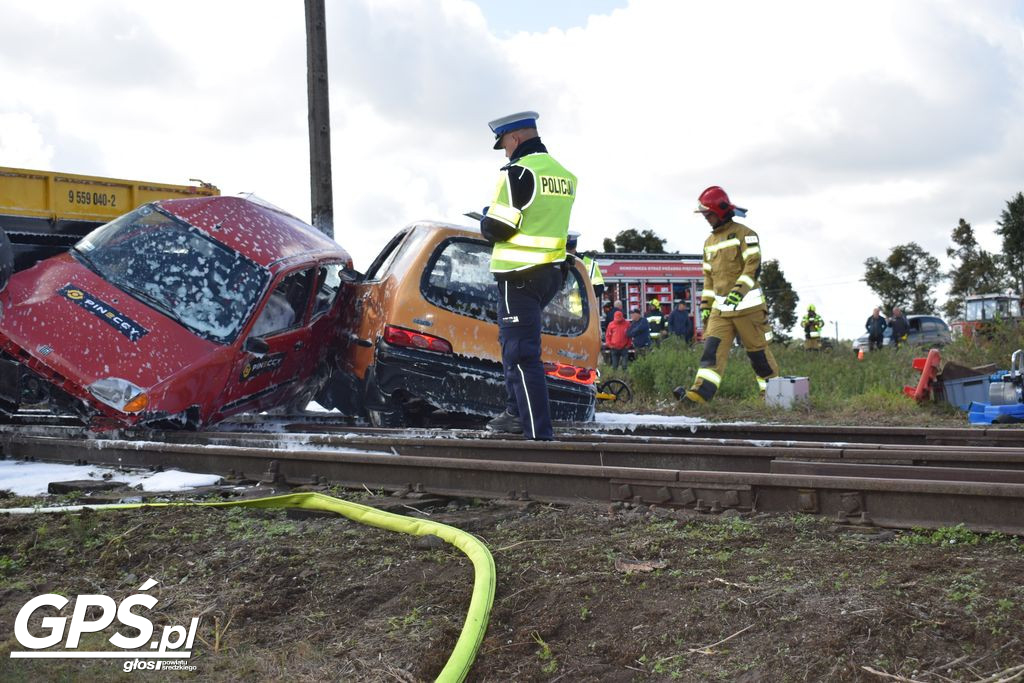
{"type": "Point", "coordinates": [716, 201]}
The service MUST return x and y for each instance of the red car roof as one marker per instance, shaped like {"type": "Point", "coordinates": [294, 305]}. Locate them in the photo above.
{"type": "Point", "coordinates": [253, 228]}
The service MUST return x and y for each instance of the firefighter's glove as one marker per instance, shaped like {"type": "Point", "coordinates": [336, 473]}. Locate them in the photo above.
{"type": "Point", "coordinates": [705, 313]}
{"type": "Point", "coordinates": [733, 299]}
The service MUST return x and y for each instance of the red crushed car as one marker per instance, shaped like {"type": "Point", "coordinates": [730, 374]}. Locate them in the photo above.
{"type": "Point", "coordinates": [177, 314]}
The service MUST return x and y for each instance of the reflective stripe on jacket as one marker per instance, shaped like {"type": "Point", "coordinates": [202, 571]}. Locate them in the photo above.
{"type": "Point", "coordinates": [732, 261]}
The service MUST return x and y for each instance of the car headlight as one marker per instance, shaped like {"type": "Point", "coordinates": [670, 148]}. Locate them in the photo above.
{"type": "Point", "coordinates": [120, 394]}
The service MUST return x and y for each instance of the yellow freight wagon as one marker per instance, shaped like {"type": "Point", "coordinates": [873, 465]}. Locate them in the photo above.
{"type": "Point", "coordinates": [45, 212]}
{"type": "Point", "coordinates": [65, 197]}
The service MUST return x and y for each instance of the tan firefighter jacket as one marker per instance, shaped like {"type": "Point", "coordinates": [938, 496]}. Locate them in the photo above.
{"type": "Point", "coordinates": [732, 261]}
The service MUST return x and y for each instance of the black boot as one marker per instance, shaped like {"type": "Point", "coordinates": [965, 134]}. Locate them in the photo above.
{"type": "Point", "coordinates": [687, 397]}
{"type": "Point", "coordinates": [506, 423]}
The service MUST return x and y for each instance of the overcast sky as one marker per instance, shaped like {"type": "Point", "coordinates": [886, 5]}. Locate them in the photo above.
{"type": "Point", "coordinates": [845, 128]}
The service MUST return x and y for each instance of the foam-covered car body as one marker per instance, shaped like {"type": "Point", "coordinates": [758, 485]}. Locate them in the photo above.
{"type": "Point", "coordinates": [179, 313]}
{"type": "Point", "coordinates": [425, 319]}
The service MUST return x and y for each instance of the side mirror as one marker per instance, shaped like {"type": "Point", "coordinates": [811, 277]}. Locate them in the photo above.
{"type": "Point", "coordinates": [257, 345]}
{"type": "Point", "coordinates": [346, 275]}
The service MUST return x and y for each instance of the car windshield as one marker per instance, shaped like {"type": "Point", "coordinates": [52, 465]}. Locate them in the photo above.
{"type": "Point", "coordinates": [458, 278]}
{"type": "Point", "coordinates": [176, 269]}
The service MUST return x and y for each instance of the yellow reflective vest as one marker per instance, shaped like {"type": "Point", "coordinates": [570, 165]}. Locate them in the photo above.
{"type": "Point", "coordinates": [542, 226]}
{"type": "Point", "coordinates": [593, 270]}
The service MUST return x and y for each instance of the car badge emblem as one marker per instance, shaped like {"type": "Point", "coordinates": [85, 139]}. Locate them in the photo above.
{"type": "Point", "coordinates": [44, 349]}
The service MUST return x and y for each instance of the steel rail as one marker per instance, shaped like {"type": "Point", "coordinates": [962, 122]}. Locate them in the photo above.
{"type": "Point", "coordinates": [987, 435]}
{"type": "Point", "coordinates": [998, 436]}
{"type": "Point", "coordinates": [659, 452]}
{"type": "Point", "coordinates": [675, 452]}
{"type": "Point", "coordinates": [881, 499]}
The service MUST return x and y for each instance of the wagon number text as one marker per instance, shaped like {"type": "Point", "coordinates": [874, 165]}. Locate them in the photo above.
{"type": "Point", "coordinates": [92, 198]}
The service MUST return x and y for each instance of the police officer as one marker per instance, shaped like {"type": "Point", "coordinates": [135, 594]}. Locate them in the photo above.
{"type": "Point", "coordinates": [593, 270]}
{"type": "Point", "coordinates": [528, 223]}
{"type": "Point", "coordinates": [812, 324]}
{"type": "Point", "coordinates": [731, 303]}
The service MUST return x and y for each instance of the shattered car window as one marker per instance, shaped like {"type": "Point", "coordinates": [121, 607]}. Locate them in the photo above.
{"type": "Point", "coordinates": [458, 279]}
{"type": "Point", "coordinates": [328, 284]}
{"type": "Point", "coordinates": [177, 270]}
{"type": "Point", "coordinates": [286, 305]}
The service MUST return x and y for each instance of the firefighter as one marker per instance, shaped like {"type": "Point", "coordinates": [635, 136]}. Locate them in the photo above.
{"type": "Point", "coordinates": [655, 318]}
{"type": "Point", "coordinates": [528, 224]}
{"type": "Point", "coordinates": [593, 270]}
{"type": "Point", "coordinates": [731, 302]}
{"type": "Point", "coordinates": [812, 324]}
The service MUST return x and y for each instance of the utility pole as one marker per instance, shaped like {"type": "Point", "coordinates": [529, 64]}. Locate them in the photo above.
{"type": "Point", "coordinates": [321, 196]}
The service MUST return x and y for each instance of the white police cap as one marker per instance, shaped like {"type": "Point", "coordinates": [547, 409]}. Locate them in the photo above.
{"type": "Point", "coordinates": [506, 124]}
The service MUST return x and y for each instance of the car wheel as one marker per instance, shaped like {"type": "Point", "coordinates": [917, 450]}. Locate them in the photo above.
{"type": "Point", "coordinates": [313, 387]}
{"type": "Point", "coordinates": [382, 409]}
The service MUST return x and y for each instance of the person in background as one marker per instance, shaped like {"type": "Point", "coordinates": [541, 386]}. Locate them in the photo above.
{"type": "Point", "coordinates": [900, 327]}
{"type": "Point", "coordinates": [610, 314]}
{"type": "Point", "coordinates": [655, 318]}
{"type": "Point", "coordinates": [639, 331]}
{"type": "Point", "coordinates": [680, 323]}
{"type": "Point", "coordinates": [875, 327]}
{"type": "Point", "coordinates": [812, 324]}
{"type": "Point", "coordinates": [617, 341]}
{"type": "Point", "coordinates": [593, 270]}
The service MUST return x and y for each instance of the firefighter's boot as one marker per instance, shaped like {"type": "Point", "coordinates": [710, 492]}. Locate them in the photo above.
{"type": "Point", "coordinates": [687, 397]}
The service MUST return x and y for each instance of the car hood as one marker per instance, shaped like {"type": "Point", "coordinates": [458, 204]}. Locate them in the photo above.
{"type": "Point", "coordinates": [85, 329]}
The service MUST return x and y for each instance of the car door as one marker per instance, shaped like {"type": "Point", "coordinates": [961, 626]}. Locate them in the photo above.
{"type": "Point", "coordinates": [264, 377]}
{"type": "Point", "coordinates": [365, 317]}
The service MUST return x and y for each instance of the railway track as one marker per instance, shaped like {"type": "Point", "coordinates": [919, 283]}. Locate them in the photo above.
{"type": "Point", "coordinates": [859, 475]}
{"type": "Point", "coordinates": [987, 435]}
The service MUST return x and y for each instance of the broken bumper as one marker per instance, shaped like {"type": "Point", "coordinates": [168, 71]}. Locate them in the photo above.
{"type": "Point", "coordinates": [462, 385]}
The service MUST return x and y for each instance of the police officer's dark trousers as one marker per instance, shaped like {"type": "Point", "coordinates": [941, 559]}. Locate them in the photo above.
{"type": "Point", "coordinates": [521, 298]}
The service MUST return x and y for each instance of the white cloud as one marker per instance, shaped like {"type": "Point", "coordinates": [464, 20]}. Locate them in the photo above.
{"type": "Point", "coordinates": [22, 143]}
{"type": "Point", "coordinates": [846, 129]}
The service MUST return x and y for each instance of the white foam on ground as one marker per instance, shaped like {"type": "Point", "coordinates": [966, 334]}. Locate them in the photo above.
{"type": "Point", "coordinates": [636, 420]}
{"type": "Point", "coordinates": [314, 407]}
{"type": "Point", "coordinates": [32, 478]}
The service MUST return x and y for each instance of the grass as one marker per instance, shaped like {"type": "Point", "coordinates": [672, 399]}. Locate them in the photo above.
{"type": "Point", "coordinates": [842, 388]}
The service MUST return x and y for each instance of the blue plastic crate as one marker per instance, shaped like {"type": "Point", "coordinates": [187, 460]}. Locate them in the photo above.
{"type": "Point", "coordinates": [960, 393]}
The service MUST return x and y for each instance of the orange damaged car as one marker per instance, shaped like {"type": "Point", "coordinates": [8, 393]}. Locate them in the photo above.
{"type": "Point", "coordinates": [424, 335]}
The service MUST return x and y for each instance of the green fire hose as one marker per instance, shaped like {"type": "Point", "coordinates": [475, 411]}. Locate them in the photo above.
{"type": "Point", "coordinates": [464, 653]}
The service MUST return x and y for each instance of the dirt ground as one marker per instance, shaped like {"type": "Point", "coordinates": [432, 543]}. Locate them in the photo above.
{"type": "Point", "coordinates": [759, 598]}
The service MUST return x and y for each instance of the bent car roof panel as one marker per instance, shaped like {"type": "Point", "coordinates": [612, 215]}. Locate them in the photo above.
{"type": "Point", "coordinates": [253, 228]}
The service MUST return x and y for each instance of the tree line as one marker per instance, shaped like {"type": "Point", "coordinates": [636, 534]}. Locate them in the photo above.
{"type": "Point", "coordinates": [909, 275]}
{"type": "Point", "coordinates": [906, 278]}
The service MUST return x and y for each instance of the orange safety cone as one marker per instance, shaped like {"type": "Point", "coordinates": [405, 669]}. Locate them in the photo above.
{"type": "Point", "coordinates": [860, 354]}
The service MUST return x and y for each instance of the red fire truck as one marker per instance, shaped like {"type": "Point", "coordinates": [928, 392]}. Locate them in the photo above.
{"type": "Point", "coordinates": [635, 279]}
